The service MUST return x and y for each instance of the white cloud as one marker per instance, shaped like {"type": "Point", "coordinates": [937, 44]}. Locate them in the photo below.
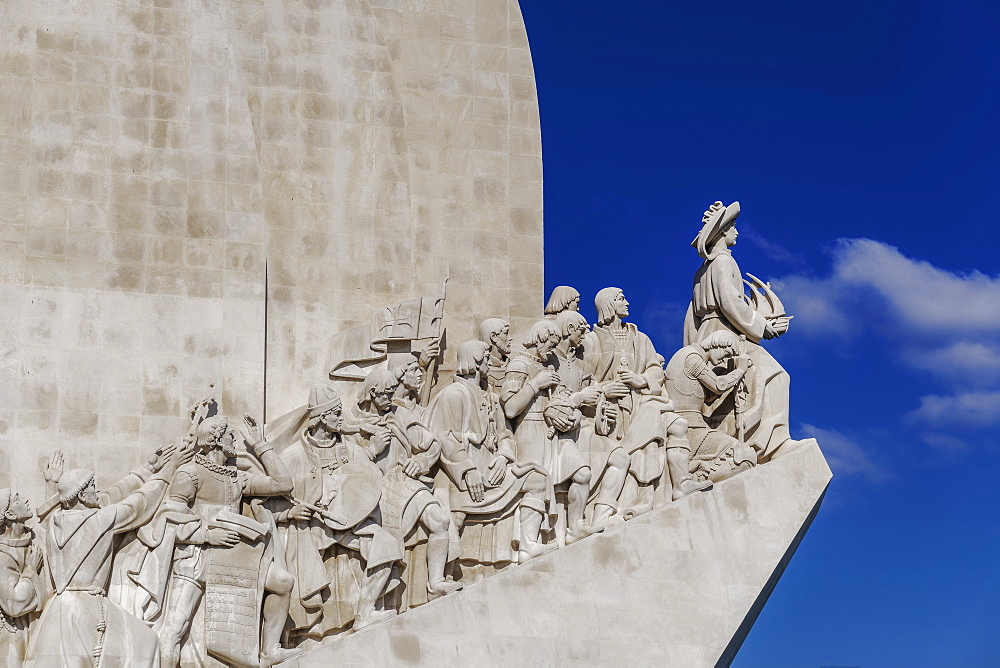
{"type": "Point", "coordinates": [922, 295]}
{"type": "Point", "coordinates": [844, 454]}
{"type": "Point", "coordinates": [913, 294]}
{"type": "Point", "coordinates": [945, 442]}
{"type": "Point", "coordinates": [942, 322]}
{"type": "Point", "coordinates": [970, 363]}
{"type": "Point", "coordinates": [964, 410]}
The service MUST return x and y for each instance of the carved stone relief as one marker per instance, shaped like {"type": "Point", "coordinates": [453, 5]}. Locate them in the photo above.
{"type": "Point", "coordinates": [241, 544]}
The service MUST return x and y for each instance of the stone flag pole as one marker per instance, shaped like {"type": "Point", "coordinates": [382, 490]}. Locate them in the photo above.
{"type": "Point", "coordinates": [277, 382]}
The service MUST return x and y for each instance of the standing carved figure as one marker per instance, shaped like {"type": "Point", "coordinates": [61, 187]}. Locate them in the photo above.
{"type": "Point", "coordinates": [485, 484]}
{"type": "Point", "coordinates": [608, 466]}
{"type": "Point", "coordinates": [210, 492]}
{"type": "Point", "coordinates": [80, 626]}
{"type": "Point", "coordinates": [405, 456]}
{"type": "Point", "coordinates": [625, 364]}
{"type": "Point", "coordinates": [574, 394]}
{"type": "Point", "coordinates": [695, 374]}
{"type": "Point", "coordinates": [718, 303]}
{"type": "Point", "coordinates": [527, 386]}
{"type": "Point", "coordinates": [410, 415]}
{"type": "Point", "coordinates": [563, 298]}
{"type": "Point", "coordinates": [332, 513]}
{"type": "Point", "coordinates": [22, 585]}
{"type": "Point", "coordinates": [496, 334]}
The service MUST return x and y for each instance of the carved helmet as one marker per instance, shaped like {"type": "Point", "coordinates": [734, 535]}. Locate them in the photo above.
{"type": "Point", "coordinates": [714, 223]}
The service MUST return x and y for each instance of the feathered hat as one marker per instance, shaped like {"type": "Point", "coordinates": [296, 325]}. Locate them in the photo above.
{"type": "Point", "coordinates": [714, 223]}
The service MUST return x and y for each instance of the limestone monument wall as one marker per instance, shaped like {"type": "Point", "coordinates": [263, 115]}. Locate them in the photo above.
{"type": "Point", "coordinates": [175, 173]}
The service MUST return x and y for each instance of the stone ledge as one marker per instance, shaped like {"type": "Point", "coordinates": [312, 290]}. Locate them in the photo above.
{"type": "Point", "coordinates": [679, 586]}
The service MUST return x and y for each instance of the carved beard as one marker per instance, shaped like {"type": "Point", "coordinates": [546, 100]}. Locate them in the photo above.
{"type": "Point", "coordinates": [229, 448]}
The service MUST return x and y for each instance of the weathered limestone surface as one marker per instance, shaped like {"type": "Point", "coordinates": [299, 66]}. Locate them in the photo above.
{"type": "Point", "coordinates": [162, 162]}
{"type": "Point", "coordinates": [679, 586]}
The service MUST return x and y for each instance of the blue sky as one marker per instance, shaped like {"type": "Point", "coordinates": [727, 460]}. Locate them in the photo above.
{"type": "Point", "coordinates": [860, 139]}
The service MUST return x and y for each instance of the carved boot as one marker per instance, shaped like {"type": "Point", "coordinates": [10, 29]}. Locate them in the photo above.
{"type": "Point", "coordinates": [530, 545]}
{"type": "Point", "coordinates": [442, 587]}
{"type": "Point", "coordinates": [690, 486]}
{"type": "Point", "coordinates": [581, 531]}
{"type": "Point", "coordinates": [437, 557]}
{"type": "Point", "coordinates": [604, 515]}
{"type": "Point", "coordinates": [277, 654]}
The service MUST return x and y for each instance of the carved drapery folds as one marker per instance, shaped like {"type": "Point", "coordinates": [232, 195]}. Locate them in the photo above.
{"type": "Point", "coordinates": [240, 545]}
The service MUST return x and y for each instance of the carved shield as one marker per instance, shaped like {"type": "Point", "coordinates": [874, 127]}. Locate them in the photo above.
{"type": "Point", "coordinates": [356, 490]}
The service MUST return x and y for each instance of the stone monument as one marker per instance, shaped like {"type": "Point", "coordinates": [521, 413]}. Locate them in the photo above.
{"type": "Point", "coordinates": [220, 208]}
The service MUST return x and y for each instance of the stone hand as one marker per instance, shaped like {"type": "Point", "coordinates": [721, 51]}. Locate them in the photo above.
{"type": "Point", "coordinates": [743, 362]}
{"type": "Point", "coordinates": [253, 429]}
{"type": "Point", "coordinates": [616, 390]}
{"type": "Point", "coordinates": [429, 354]}
{"type": "Point", "coordinates": [33, 562]}
{"type": "Point", "coordinates": [588, 396]}
{"type": "Point", "coordinates": [498, 471]}
{"type": "Point", "coordinates": [175, 460]}
{"type": "Point", "coordinates": [780, 325]}
{"type": "Point", "coordinates": [545, 379]}
{"type": "Point", "coordinates": [223, 537]}
{"type": "Point", "coordinates": [159, 457]}
{"type": "Point", "coordinates": [54, 467]}
{"type": "Point", "coordinates": [380, 440]}
{"type": "Point", "coordinates": [300, 513]}
{"type": "Point", "coordinates": [477, 488]}
{"type": "Point", "coordinates": [632, 379]}
{"type": "Point", "coordinates": [412, 468]}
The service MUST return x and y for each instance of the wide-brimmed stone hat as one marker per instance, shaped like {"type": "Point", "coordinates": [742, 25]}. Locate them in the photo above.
{"type": "Point", "coordinates": [714, 223]}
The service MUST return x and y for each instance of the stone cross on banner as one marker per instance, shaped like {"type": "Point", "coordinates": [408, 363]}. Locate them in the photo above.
{"type": "Point", "coordinates": [356, 351]}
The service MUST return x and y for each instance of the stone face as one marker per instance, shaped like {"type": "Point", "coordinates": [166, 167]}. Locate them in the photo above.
{"type": "Point", "coordinates": [678, 586]}
{"type": "Point", "coordinates": [173, 175]}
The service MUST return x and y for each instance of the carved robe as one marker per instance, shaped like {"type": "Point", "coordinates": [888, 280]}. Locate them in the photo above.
{"type": "Point", "coordinates": [327, 579]}
{"type": "Point", "coordinates": [471, 426]}
{"type": "Point", "coordinates": [80, 625]}
{"type": "Point", "coordinates": [22, 594]}
{"type": "Point", "coordinates": [718, 302]}
{"type": "Point", "coordinates": [644, 415]}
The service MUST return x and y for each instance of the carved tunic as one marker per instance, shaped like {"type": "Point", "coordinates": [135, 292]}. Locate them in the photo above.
{"type": "Point", "coordinates": [530, 430]}
{"type": "Point", "coordinates": [714, 454]}
{"type": "Point", "coordinates": [472, 428]}
{"type": "Point", "coordinates": [566, 456]}
{"type": "Point", "coordinates": [209, 489]}
{"type": "Point", "coordinates": [470, 424]}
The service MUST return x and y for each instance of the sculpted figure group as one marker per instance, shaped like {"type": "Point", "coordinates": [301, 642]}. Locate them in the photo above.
{"type": "Point", "coordinates": [229, 548]}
